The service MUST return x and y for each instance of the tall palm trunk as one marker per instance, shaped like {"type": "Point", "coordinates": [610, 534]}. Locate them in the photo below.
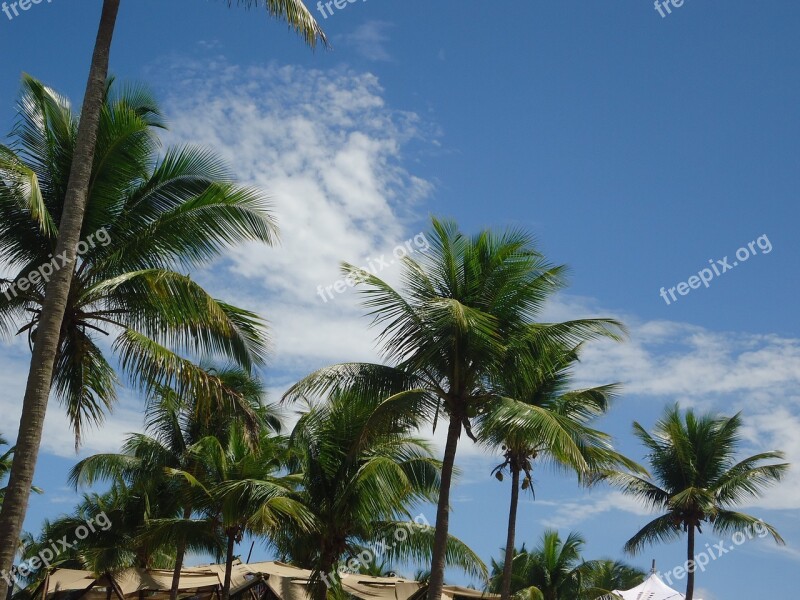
{"type": "Point", "coordinates": [37, 390]}
{"type": "Point", "coordinates": [180, 553]}
{"type": "Point", "coordinates": [226, 587]}
{"type": "Point", "coordinates": [690, 559]}
{"type": "Point", "coordinates": [443, 510]}
{"type": "Point", "coordinates": [505, 591]}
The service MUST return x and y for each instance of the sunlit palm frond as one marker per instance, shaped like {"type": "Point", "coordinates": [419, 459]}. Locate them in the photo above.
{"type": "Point", "coordinates": [294, 13]}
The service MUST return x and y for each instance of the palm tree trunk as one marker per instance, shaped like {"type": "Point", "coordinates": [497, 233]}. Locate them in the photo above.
{"type": "Point", "coordinates": [226, 587]}
{"type": "Point", "coordinates": [690, 559]}
{"type": "Point", "coordinates": [505, 591]}
{"type": "Point", "coordinates": [37, 390]}
{"type": "Point", "coordinates": [181, 552]}
{"type": "Point", "coordinates": [443, 510]}
{"type": "Point", "coordinates": [328, 580]}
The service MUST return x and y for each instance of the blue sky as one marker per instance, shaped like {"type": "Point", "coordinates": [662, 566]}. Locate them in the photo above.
{"type": "Point", "coordinates": [634, 147]}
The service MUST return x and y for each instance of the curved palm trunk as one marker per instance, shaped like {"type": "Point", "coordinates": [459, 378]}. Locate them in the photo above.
{"type": "Point", "coordinates": [181, 552]}
{"type": "Point", "coordinates": [226, 587]}
{"type": "Point", "coordinates": [505, 591]}
{"type": "Point", "coordinates": [45, 346]}
{"type": "Point", "coordinates": [443, 510]}
{"type": "Point", "coordinates": [690, 558]}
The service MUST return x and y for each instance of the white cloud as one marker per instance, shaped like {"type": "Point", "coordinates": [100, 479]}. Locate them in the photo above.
{"type": "Point", "coordinates": [723, 372]}
{"type": "Point", "coordinates": [370, 40]}
{"type": "Point", "coordinates": [704, 594]}
{"type": "Point", "coordinates": [330, 154]}
{"type": "Point", "coordinates": [569, 514]}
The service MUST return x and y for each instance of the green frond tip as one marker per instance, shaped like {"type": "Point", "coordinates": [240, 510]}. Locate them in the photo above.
{"type": "Point", "coordinates": [294, 13]}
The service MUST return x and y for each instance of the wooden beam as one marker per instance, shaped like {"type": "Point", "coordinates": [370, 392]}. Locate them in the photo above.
{"type": "Point", "coordinates": [86, 590]}
{"type": "Point", "coordinates": [117, 589]}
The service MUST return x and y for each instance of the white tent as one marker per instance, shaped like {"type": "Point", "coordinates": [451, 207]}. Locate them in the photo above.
{"type": "Point", "coordinates": [651, 589]}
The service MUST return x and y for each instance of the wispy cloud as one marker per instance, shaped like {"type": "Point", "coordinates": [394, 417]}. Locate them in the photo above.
{"type": "Point", "coordinates": [569, 514]}
{"type": "Point", "coordinates": [371, 40]}
{"type": "Point", "coordinates": [331, 154]}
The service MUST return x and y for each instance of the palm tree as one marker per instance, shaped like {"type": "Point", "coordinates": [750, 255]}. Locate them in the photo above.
{"type": "Point", "coordinates": [605, 576]}
{"type": "Point", "coordinates": [697, 479]}
{"type": "Point", "coordinates": [45, 352]}
{"type": "Point", "coordinates": [66, 229]}
{"type": "Point", "coordinates": [120, 520]}
{"type": "Point", "coordinates": [167, 461]}
{"type": "Point", "coordinates": [251, 492]}
{"type": "Point", "coordinates": [554, 570]}
{"type": "Point", "coordinates": [555, 431]}
{"type": "Point", "coordinates": [133, 288]}
{"type": "Point", "coordinates": [361, 473]}
{"type": "Point", "coordinates": [448, 333]}
{"type": "Point", "coordinates": [116, 520]}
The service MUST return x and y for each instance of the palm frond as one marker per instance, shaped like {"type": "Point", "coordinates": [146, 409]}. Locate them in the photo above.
{"type": "Point", "coordinates": [660, 530]}
{"type": "Point", "coordinates": [294, 13]}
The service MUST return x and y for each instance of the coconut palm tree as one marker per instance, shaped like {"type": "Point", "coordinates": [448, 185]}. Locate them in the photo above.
{"type": "Point", "coordinates": [105, 535]}
{"type": "Point", "coordinates": [66, 234]}
{"type": "Point", "coordinates": [251, 492]}
{"type": "Point", "coordinates": [134, 289]}
{"type": "Point", "coordinates": [605, 576]}
{"type": "Point", "coordinates": [361, 473]}
{"type": "Point", "coordinates": [554, 570]}
{"type": "Point", "coordinates": [555, 431]}
{"type": "Point", "coordinates": [697, 479]}
{"type": "Point", "coordinates": [167, 459]}
{"type": "Point", "coordinates": [447, 335]}
{"type": "Point", "coordinates": [128, 283]}
{"type": "Point", "coordinates": [185, 463]}
{"type": "Point", "coordinates": [67, 227]}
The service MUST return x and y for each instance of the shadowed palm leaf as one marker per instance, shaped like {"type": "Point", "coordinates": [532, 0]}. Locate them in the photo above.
{"type": "Point", "coordinates": [362, 471]}
{"type": "Point", "coordinates": [146, 217]}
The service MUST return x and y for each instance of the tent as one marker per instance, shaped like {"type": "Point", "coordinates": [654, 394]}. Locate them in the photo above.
{"type": "Point", "coordinates": [69, 584]}
{"type": "Point", "coordinates": [255, 581]}
{"type": "Point", "coordinates": [651, 588]}
{"type": "Point", "coordinates": [456, 592]}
